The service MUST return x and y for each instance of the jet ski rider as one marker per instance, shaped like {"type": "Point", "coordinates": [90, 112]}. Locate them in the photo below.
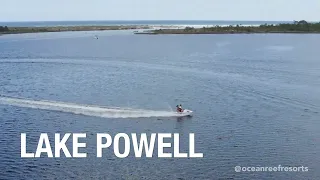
{"type": "Point", "coordinates": [179, 108]}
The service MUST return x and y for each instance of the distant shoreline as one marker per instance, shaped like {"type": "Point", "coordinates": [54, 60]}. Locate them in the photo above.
{"type": "Point", "coordinates": [298, 27]}
{"type": "Point", "coordinates": [154, 29]}
{"type": "Point", "coordinates": [22, 30]}
{"type": "Point", "coordinates": [21, 27]}
{"type": "Point", "coordinates": [227, 32]}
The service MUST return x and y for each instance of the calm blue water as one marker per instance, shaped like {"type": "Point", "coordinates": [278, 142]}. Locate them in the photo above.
{"type": "Point", "coordinates": [140, 22]}
{"type": "Point", "coordinates": [255, 97]}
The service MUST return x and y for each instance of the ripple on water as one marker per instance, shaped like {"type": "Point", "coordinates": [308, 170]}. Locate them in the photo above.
{"type": "Point", "coordinates": [252, 108]}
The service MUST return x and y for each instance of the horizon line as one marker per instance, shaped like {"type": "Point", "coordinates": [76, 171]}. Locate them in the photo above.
{"type": "Point", "coordinates": [146, 20]}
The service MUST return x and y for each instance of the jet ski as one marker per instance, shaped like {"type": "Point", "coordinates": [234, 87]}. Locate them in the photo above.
{"type": "Point", "coordinates": [185, 112]}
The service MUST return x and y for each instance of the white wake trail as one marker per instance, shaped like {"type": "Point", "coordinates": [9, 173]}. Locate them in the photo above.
{"type": "Point", "coordinates": [88, 110]}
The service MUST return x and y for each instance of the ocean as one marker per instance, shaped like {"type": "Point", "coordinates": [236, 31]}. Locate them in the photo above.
{"type": "Point", "coordinates": [255, 99]}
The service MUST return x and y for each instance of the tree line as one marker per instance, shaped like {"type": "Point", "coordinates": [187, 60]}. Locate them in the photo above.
{"type": "Point", "coordinates": [4, 28]}
{"type": "Point", "coordinates": [296, 26]}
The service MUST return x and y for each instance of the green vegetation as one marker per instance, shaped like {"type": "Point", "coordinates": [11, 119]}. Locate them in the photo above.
{"type": "Point", "coordinates": [296, 27]}
{"type": "Point", "coordinates": [4, 29]}
{"type": "Point", "coordinates": [18, 30]}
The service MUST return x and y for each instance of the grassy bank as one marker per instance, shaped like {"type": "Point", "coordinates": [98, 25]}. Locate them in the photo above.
{"type": "Point", "coordinates": [18, 30]}
{"type": "Point", "coordinates": [296, 27]}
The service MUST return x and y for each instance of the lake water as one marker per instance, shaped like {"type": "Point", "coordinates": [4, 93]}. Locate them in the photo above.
{"type": "Point", "coordinates": [255, 100]}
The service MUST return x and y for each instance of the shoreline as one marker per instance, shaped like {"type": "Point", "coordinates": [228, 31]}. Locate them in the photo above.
{"type": "Point", "coordinates": [22, 30]}
{"type": "Point", "coordinates": [297, 27]}
{"type": "Point", "coordinates": [227, 32]}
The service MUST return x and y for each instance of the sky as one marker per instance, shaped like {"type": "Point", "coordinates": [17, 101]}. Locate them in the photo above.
{"type": "Point", "coordinates": [64, 10]}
